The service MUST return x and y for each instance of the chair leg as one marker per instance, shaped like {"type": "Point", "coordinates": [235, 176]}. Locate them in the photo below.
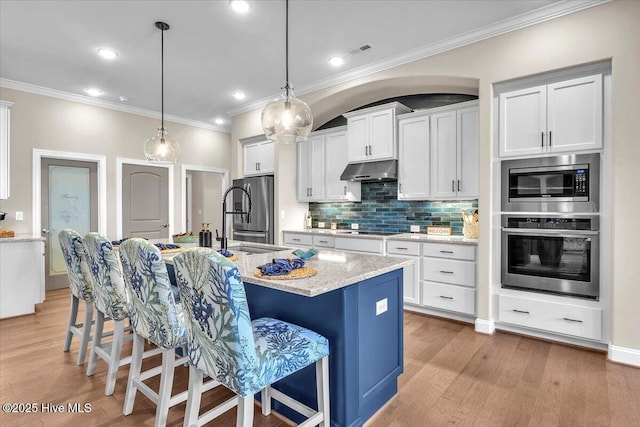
{"type": "Point", "coordinates": [194, 396]}
{"type": "Point", "coordinates": [73, 315]}
{"type": "Point", "coordinates": [166, 383]}
{"type": "Point", "coordinates": [134, 373]}
{"type": "Point", "coordinates": [114, 359]}
{"type": "Point", "coordinates": [245, 411]}
{"type": "Point", "coordinates": [86, 331]}
{"type": "Point", "coordinates": [265, 397]}
{"type": "Point", "coordinates": [322, 390]}
{"type": "Point", "coordinates": [97, 342]}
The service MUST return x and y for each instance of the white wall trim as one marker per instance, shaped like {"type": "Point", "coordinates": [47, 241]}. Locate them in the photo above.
{"type": "Point", "coordinates": [485, 326]}
{"type": "Point", "coordinates": [183, 183]}
{"type": "Point", "coordinates": [122, 160]}
{"type": "Point", "coordinates": [82, 99]}
{"type": "Point", "coordinates": [553, 11]}
{"type": "Point", "coordinates": [36, 204]}
{"type": "Point", "coordinates": [627, 356]}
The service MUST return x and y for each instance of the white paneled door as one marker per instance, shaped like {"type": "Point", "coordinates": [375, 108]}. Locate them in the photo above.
{"type": "Point", "coordinates": [145, 201]}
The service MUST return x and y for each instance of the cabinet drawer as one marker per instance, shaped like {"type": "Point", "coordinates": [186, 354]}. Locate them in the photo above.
{"type": "Point", "coordinates": [353, 244]}
{"type": "Point", "coordinates": [449, 271]}
{"type": "Point", "coordinates": [567, 319]}
{"type": "Point", "coordinates": [298, 239]}
{"type": "Point", "coordinates": [449, 297]}
{"type": "Point", "coordinates": [400, 247]}
{"type": "Point", "coordinates": [448, 250]}
{"type": "Point", "coordinates": [323, 241]}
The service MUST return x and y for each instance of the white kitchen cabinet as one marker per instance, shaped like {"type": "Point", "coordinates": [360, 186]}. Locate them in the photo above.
{"type": "Point", "coordinates": [448, 277]}
{"type": "Point", "coordinates": [372, 132]}
{"type": "Point", "coordinates": [413, 157]}
{"type": "Point", "coordinates": [411, 274]}
{"type": "Point", "coordinates": [558, 117]}
{"type": "Point", "coordinates": [5, 133]}
{"type": "Point", "coordinates": [21, 276]}
{"type": "Point", "coordinates": [360, 245]}
{"type": "Point", "coordinates": [336, 160]}
{"type": "Point", "coordinates": [311, 169]}
{"type": "Point", "coordinates": [259, 158]}
{"type": "Point", "coordinates": [454, 152]}
{"type": "Point", "coordinates": [298, 240]}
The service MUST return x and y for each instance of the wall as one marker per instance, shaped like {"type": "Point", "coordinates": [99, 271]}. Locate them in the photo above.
{"type": "Point", "coordinates": [206, 195]}
{"type": "Point", "coordinates": [380, 210]}
{"type": "Point", "coordinates": [41, 122]}
{"type": "Point", "coordinates": [596, 34]}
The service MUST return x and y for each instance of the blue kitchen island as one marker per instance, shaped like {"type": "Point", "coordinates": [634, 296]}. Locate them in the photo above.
{"type": "Point", "coordinates": [355, 301]}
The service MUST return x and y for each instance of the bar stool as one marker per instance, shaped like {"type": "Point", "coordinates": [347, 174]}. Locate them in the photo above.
{"type": "Point", "coordinates": [81, 287]}
{"type": "Point", "coordinates": [245, 356]}
{"type": "Point", "coordinates": [156, 317]}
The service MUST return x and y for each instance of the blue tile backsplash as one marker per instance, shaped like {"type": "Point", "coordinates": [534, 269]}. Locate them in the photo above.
{"type": "Point", "coordinates": [380, 210]}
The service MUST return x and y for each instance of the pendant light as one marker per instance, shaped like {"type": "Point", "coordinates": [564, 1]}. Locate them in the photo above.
{"type": "Point", "coordinates": [287, 120]}
{"type": "Point", "coordinates": [160, 148]}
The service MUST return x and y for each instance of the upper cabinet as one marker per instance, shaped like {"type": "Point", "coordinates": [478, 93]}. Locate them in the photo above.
{"type": "Point", "coordinates": [321, 161]}
{"type": "Point", "coordinates": [371, 132]}
{"type": "Point", "coordinates": [558, 117]}
{"type": "Point", "coordinates": [413, 156]}
{"type": "Point", "coordinates": [454, 153]}
{"type": "Point", "coordinates": [5, 116]}
{"type": "Point", "coordinates": [258, 158]}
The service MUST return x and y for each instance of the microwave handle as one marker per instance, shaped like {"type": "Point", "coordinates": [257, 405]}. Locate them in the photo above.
{"type": "Point", "coordinates": [541, 139]}
{"type": "Point", "coordinates": [548, 232]}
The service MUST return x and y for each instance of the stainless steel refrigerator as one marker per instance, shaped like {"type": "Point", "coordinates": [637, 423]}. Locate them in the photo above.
{"type": "Point", "coordinates": [259, 226]}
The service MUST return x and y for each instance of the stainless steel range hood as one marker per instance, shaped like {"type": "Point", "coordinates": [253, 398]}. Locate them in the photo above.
{"type": "Point", "coordinates": [384, 170]}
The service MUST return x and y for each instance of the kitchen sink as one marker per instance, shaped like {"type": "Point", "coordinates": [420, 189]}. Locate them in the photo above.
{"type": "Point", "coordinates": [255, 249]}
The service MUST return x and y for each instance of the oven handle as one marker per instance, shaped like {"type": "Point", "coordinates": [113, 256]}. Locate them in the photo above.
{"type": "Point", "coordinates": [547, 232]}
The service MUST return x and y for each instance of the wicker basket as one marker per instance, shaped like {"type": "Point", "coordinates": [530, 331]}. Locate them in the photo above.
{"type": "Point", "coordinates": [470, 230]}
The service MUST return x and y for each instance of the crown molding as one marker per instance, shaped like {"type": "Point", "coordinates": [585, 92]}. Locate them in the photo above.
{"type": "Point", "coordinates": [547, 13]}
{"type": "Point", "coordinates": [67, 96]}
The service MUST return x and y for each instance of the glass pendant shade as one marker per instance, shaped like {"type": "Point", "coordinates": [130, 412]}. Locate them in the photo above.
{"type": "Point", "coordinates": [161, 149]}
{"type": "Point", "coordinates": [287, 120]}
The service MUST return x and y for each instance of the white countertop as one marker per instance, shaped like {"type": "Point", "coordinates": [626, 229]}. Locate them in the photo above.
{"type": "Point", "coordinates": [336, 269]}
{"type": "Point", "coordinates": [21, 238]}
{"type": "Point", "coordinates": [421, 237]}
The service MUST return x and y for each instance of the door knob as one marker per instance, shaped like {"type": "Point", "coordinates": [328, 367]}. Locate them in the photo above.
{"type": "Point", "coordinates": [165, 225]}
{"type": "Point", "coordinates": [45, 231]}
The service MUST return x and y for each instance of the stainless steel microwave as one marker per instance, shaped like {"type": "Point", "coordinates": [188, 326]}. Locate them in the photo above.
{"type": "Point", "coordinates": [564, 184]}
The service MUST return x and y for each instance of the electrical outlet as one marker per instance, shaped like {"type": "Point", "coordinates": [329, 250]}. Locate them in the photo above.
{"type": "Point", "coordinates": [355, 226]}
{"type": "Point", "coordinates": [381, 306]}
{"type": "Point", "coordinates": [282, 214]}
{"type": "Point", "coordinates": [19, 216]}
{"type": "Point", "coordinates": [320, 224]}
{"type": "Point", "coordinates": [334, 226]}
{"type": "Point", "coordinates": [415, 229]}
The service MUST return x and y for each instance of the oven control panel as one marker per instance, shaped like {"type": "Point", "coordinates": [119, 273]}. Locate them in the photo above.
{"type": "Point", "coordinates": [581, 183]}
{"type": "Point", "coordinates": [550, 223]}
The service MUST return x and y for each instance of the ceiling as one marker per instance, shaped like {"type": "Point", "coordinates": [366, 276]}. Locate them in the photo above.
{"type": "Point", "coordinates": [211, 51]}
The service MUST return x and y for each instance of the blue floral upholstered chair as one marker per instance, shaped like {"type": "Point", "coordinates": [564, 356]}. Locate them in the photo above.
{"type": "Point", "coordinates": [155, 316]}
{"type": "Point", "coordinates": [111, 302]}
{"type": "Point", "coordinates": [81, 287]}
{"type": "Point", "coordinates": [245, 356]}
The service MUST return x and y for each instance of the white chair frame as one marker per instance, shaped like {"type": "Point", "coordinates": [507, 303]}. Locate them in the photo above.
{"type": "Point", "coordinates": [80, 330]}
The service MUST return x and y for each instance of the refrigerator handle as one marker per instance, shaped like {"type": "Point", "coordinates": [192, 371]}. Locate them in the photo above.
{"type": "Point", "coordinates": [246, 210]}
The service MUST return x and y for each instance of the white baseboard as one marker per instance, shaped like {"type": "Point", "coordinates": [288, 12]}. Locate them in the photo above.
{"type": "Point", "coordinates": [627, 356]}
{"type": "Point", "coordinates": [485, 326]}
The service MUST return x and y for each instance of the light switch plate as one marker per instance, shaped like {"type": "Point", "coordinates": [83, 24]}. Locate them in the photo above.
{"type": "Point", "coordinates": [355, 226]}
{"type": "Point", "coordinates": [381, 306]}
{"type": "Point", "coordinates": [415, 229]}
{"type": "Point", "coordinates": [282, 214]}
{"type": "Point", "coordinates": [19, 216]}
{"type": "Point", "coordinates": [321, 225]}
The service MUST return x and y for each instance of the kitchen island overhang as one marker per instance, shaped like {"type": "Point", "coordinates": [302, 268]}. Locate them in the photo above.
{"type": "Point", "coordinates": [355, 301]}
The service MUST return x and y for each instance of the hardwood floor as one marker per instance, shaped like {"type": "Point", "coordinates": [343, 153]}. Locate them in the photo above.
{"type": "Point", "coordinates": [452, 375]}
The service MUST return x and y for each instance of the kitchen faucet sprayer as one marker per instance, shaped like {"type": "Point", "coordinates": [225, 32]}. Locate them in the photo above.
{"type": "Point", "coordinates": [223, 240]}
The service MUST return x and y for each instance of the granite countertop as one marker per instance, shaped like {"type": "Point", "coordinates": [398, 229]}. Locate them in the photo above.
{"type": "Point", "coordinates": [342, 233]}
{"type": "Point", "coordinates": [420, 237]}
{"type": "Point", "coordinates": [336, 269]}
{"type": "Point", "coordinates": [22, 238]}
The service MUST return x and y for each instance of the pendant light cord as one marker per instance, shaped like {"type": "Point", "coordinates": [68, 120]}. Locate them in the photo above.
{"type": "Point", "coordinates": [162, 78]}
{"type": "Point", "coordinates": [286, 44]}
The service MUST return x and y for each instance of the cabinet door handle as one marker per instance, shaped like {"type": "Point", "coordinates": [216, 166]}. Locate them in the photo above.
{"type": "Point", "coordinates": [259, 166]}
{"type": "Point", "coordinates": [366, 150]}
{"type": "Point", "coordinates": [402, 249]}
{"type": "Point", "coordinates": [445, 297]}
{"type": "Point", "coordinates": [370, 151]}
{"type": "Point", "coordinates": [453, 185]}
{"type": "Point", "coordinates": [446, 272]}
{"type": "Point", "coordinates": [323, 241]}
{"type": "Point", "coordinates": [345, 190]}
{"type": "Point", "coordinates": [446, 252]}
{"type": "Point", "coordinates": [520, 311]}
{"type": "Point", "coordinates": [549, 138]}
{"type": "Point", "coordinates": [458, 185]}
{"type": "Point", "coordinates": [296, 240]}
{"type": "Point", "coordinates": [311, 191]}
{"type": "Point", "coordinates": [572, 320]}
{"type": "Point", "coordinates": [541, 139]}
{"type": "Point", "coordinates": [400, 188]}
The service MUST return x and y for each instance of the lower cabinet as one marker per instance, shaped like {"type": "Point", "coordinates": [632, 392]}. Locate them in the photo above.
{"type": "Point", "coordinates": [21, 277]}
{"type": "Point", "coordinates": [366, 246]}
{"type": "Point", "coordinates": [302, 240]}
{"type": "Point", "coordinates": [411, 276]}
{"type": "Point", "coordinates": [561, 318]}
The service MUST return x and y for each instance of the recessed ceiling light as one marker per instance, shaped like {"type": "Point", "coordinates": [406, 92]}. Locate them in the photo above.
{"type": "Point", "coordinates": [239, 95]}
{"type": "Point", "coordinates": [107, 53]}
{"type": "Point", "coordinates": [93, 92]}
{"type": "Point", "coordinates": [219, 121]}
{"type": "Point", "coordinates": [123, 99]}
{"type": "Point", "coordinates": [336, 61]}
{"type": "Point", "coordinates": [240, 6]}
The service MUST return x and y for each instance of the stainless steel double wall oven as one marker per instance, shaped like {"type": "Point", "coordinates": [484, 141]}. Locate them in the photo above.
{"type": "Point", "coordinates": [551, 225]}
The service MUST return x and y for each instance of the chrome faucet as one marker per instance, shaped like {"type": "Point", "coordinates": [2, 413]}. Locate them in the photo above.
{"type": "Point", "coordinates": [223, 240]}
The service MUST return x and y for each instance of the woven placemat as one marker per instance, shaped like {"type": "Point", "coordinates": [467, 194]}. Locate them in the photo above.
{"type": "Point", "coordinates": [298, 273]}
{"type": "Point", "coordinates": [171, 251]}
{"type": "Point", "coordinates": [233, 258]}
